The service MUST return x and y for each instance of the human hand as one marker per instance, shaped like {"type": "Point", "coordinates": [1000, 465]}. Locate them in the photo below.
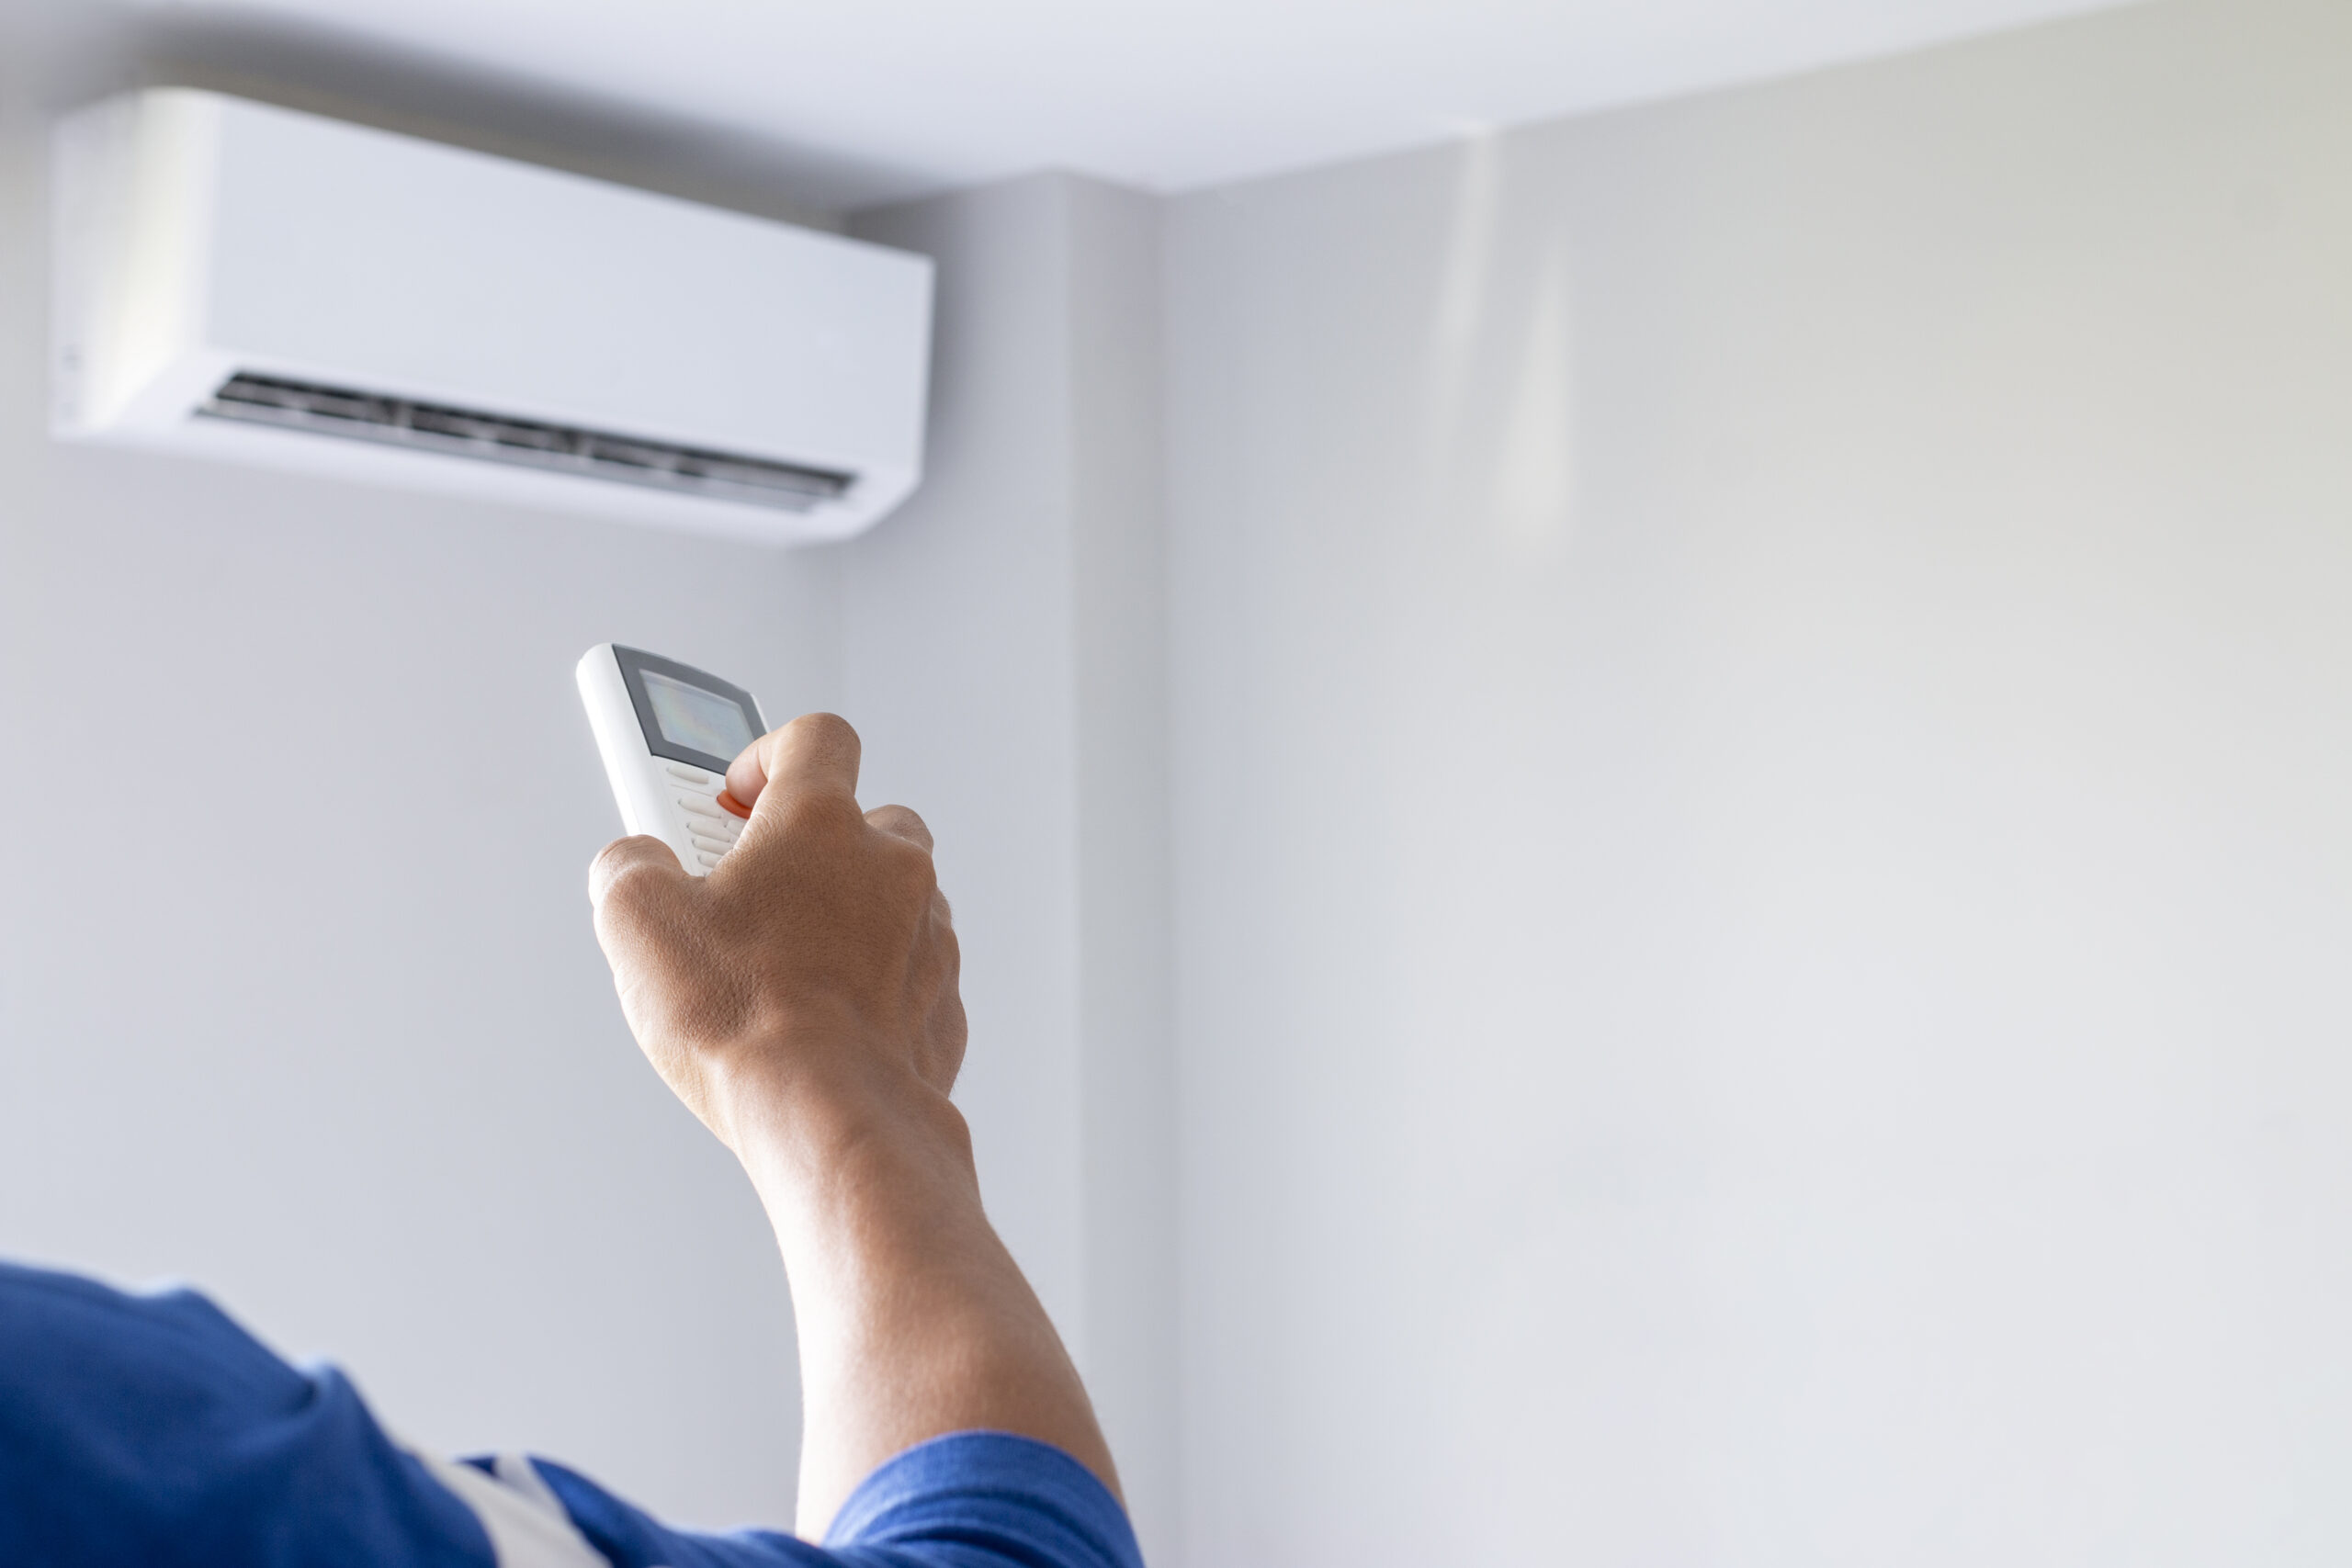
{"type": "Point", "coordinates": [801, 999]}
{"type": "Point", "coordinates": [816, 965]}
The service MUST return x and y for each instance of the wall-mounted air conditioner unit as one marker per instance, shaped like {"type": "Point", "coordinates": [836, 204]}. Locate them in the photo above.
{"type": "Point", "coordinates": [241, 281]}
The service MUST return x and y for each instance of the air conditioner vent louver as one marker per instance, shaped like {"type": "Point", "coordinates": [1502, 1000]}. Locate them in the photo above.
{"type": "Point", "coordinates": [499, 438]}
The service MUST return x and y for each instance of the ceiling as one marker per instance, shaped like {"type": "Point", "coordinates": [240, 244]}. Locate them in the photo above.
{"type": "Point", "coordinates": [871, 100]}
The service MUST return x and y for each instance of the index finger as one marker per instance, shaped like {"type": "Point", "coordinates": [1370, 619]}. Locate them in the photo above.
{"type": "Point", "coordinates": [815, 754]}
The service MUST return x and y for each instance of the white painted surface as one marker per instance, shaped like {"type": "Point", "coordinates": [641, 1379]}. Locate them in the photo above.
{"type": "Point", "coordinates": [880, 99]}
{"type": "Point", "coordinates": [1763, 877]}
{"type": "Point", "coordinates": [1127, 1181]}
{"type": "Point", "coordinates": [1001, 656]}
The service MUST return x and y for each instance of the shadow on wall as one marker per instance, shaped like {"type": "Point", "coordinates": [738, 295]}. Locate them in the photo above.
{"type": "Point", "coordinates": [71, 55]}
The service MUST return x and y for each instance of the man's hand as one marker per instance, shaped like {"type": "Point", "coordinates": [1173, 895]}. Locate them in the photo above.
{"type": "Point", "coordinates": [815, 965]}
{"type": "Point", "coordinates": [801, 1000]}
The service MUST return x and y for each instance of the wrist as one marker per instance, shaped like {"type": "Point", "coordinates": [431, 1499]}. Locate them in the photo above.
{"type": "Point", "coordinates": [868, 1171]}
{"type": "Point", "coordinates": [810, 1099]}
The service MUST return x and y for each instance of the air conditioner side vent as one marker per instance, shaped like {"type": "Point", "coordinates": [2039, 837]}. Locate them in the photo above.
{"type": "Point", "coordinates": [531, 443]}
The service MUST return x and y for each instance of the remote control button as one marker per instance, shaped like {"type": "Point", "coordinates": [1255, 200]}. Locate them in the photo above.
{"type": "Point", "coordinates": [733, 806]}
{"type": "Point", "coordinates": [692, 776]}
{"type": "Point", "coordinates": [700, 806]}
{"type": "Point", "coordinates": [709, 846]}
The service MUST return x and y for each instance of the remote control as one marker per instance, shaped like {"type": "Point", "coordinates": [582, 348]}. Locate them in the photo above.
{"type": "Point", "coordinates": [667, 731]}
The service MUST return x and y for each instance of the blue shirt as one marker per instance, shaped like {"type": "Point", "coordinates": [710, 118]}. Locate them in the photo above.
{"type": "Point", "coordinates": [152, 1430]}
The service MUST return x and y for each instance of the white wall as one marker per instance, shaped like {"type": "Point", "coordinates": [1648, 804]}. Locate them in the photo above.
{"type": "Point", "coordinates": [1760, 760]}
{"type": "Point", "coordinates": [1002, 645]}
{"type": "Point", "coordinates": [1127, 1175]}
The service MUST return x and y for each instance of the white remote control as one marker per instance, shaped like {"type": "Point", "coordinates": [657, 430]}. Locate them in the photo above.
{"type": "Point", "coordinates": [667, 732]}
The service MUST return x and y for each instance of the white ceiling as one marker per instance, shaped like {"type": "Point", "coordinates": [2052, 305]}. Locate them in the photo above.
{"type": "Point", "coordinates": [882, 99]}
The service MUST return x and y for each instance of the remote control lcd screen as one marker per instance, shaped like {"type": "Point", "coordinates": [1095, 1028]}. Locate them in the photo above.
{"type": "Point", "coordinates": [693, 717]}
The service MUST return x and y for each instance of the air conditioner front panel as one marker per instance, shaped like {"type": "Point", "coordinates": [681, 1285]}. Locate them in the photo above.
{"type": "Point", "coordinates": [282, 246]}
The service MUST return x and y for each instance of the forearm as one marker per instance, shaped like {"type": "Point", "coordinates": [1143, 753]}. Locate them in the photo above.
{"type": "Point", "coordinates": [913, 1320]}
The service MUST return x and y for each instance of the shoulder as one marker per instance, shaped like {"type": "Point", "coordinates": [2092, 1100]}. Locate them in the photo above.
{"type": "Point", "coordinates": [150, 1428]}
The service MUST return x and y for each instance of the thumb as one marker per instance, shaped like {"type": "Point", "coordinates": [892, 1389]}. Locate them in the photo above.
{"type": "Point", "coordinates": [816, 754]}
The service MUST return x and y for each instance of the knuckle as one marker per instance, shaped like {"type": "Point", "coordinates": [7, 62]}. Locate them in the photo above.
{"type": "Point", "coordinates": [823, 726]}
{"type": "Point", "coordinates": [902, 822]}
{"type": "Point", "coordinates": [624, 880]}
{"type": "Point", "coordinates": [617, 867]}
{"type": "Point", "coordinates": [911, 871]}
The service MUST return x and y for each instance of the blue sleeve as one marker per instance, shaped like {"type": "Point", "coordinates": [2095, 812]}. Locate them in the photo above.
{"type": "Point", "coordinates": [150, 1429]}
{"type": "Point", "coordinates": [967, 1500]}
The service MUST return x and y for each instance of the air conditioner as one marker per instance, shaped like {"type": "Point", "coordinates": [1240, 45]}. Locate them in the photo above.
{"type": "Point", "coordinates": [243, 282]}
